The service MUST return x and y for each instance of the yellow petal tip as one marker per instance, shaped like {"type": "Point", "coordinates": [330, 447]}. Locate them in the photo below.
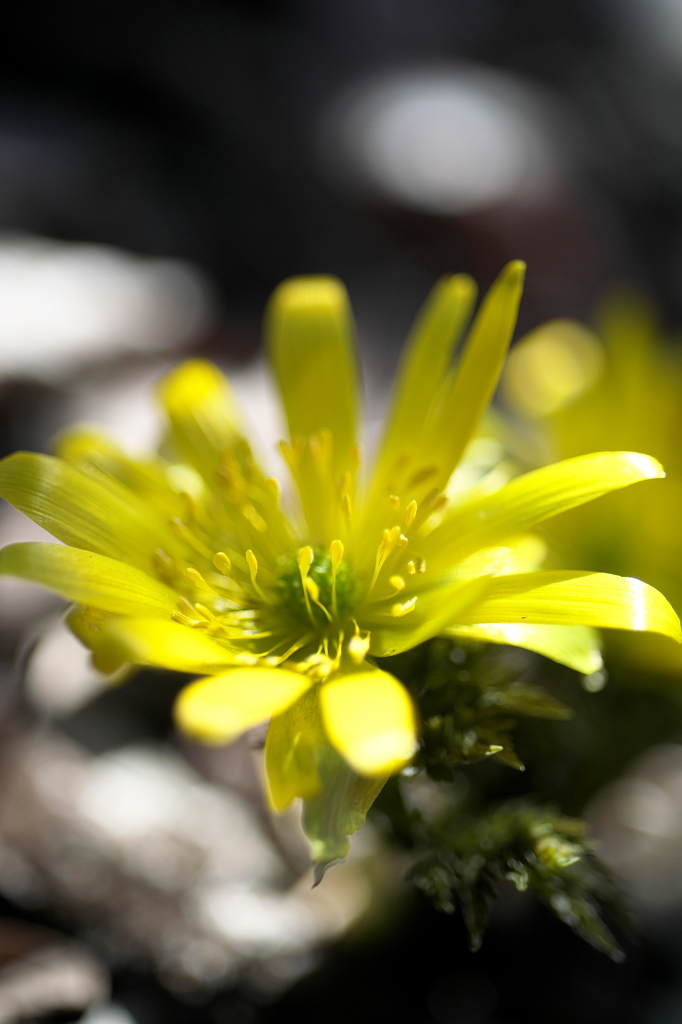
{"type": "Point", "coordinates": [309, 294]}
{"type": "Point", "coordinates": [515, 272]}
{"type": "Point", "coordinates": [647, 467]}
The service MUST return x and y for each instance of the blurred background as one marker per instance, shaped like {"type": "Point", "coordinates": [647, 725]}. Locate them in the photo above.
{"type": "Point", "coordinates": [163, 166]}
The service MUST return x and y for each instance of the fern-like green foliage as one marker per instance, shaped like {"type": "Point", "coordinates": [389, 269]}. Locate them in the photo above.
{"type": "Point", "coordinates": [534, 848]}
{"type": "Point", "coordinates": [465, 846]}
{"type": "Point", "coordinates": [469, 701]}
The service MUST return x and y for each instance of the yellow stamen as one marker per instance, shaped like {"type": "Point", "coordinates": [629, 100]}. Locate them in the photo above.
{"type": "Point", "coordinates": [182, 530]}
{"type": "Point", "coordinates": [398, 583]}
{"type": "Point", "coordinates": [398, 610]}
{"type": "Point", "coordinates": [222, 563]}
{"type": "Point", "coordinates": [386, 545]}
{"type": "Point", "coordinates": [346, 507]}
{"type": "Point", "coordinates": [421, 475]}
{"type": "Point", "coordinates": [255, 518]}
{"type": "Point", "coordinates": [252, 563]}
{"type": "Point", "coordinates": [395, 502]}
{"type": "Point", "coordinates": [273, 487]}
{"type": "Point", "coordinates": [184, 620]}
{"type": "Point", "coordinates": [305, 560]}
{"type": "Point", "coordinates": [205, 612]}
{"type": "Point", "coordinates": [343, 485]}
{"type": "Point", "coordinates": [336, 551]}
{"type": "Point", "coordinates": [185, 608]}
{"type": "Point", "coordinates": [358, 647]}
{"type": "Point", "coordinates": [322, 449]}
{"type": "Point", "coordinates": [314, 594]}
{"type": "Point", "coordinates": [197, 579]}
{"type": "Point", "coordinates": [410, 514]}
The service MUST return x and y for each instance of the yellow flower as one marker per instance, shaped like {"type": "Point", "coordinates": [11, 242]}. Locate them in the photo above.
{"type": "Point", "coordinates": [621, 389]}
{"type": "Point", "coordinates": [281, 601]}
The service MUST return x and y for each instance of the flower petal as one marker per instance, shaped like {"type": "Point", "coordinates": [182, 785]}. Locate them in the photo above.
{"type": "Point", "coordinates": [578, 647]}
{"type": "Point", "coordinates": [309, 331]}
{"type": "Point", "coordinates": [89, 578]}
{"type": "Point", "coordinates": [221, 707]}
{"type": "Point", "coordinates": [478, 373]}
{"type": "Point", "coordinates": [202, 411]}
{"type": "Point", "coordinates": [575, 598]}
{"type": "Point", "coordinates": [370, 719]}
{"type": "Point", "coordinates": [532, 498]}
{"type": "Point", "coordinates": [424, 366]}
{"type": "Point", "coordinates": [434, 611]}
{"type": "Point", "coordinates": [164, 644]}
{"type": "Point", "coordinates": [293, 747]}
{"type": "Point", "coordinates": [81, 511]}
{"type": "Point", "coordinates": [148, 478]}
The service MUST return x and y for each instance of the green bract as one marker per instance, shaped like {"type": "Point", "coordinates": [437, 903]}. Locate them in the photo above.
{"type": "Point", "coordinates": [196, 562]}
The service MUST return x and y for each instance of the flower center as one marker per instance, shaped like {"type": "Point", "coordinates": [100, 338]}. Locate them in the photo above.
{"type": "Point", "coordinates": [316, 587]}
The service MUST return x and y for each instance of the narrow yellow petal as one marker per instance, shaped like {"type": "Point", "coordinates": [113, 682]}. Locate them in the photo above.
{"type": "Point", "coordinates": [575, 598]}
{"type": "Point", "coordinates": [83, 511]}
{"type": "Point", "coordinates": [89, 578]}
{"type": "Point", "coordinates": [434, 611]}
{"type": "Point", "coordinates": [164, 644]}
{"type": "Point", "coordinates": [424, 366]}
{"type": "Point", "coordinates": [482, 362]}
{"type": "Point", "coordinates": [95, 454]}
{"type": "Point", "coordinates": [532, 498]}
{"type": "Point", "coordinates": [370, 719]}
{"type": "Point", "coordinates": [221, 707]}
{"type": "Point", "coordinates": [309, 330]}
{"type": "Point", "coordinates": [202, 412]}
{"type": "Point", "coordinates": [578, 647]}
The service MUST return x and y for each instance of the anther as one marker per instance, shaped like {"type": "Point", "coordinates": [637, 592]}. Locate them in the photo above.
{"type": "Point", "coordinates": [222, 563]}
{"type": "Point", "coordinates": [398, 609]}
{"type": "Point", "coordinates": [272, 487]}
{"type": "Point", "coordinates": [185, 608]}
{"type": "Point", "coordinates": [313, 591]}
{"type": "Point", "coordinates": [344, 482]}
{"type": "Point", "coordinates": [336, 550]}
{"type": "Point", "coordinates": [255, 518]}
{"type": "Point", "coordinates": [197, 579]}
{"type": "Point", "coordinates": [358, 646]}
{"type": "Point", "coordinates": [290, 456]}
{"type": "Point", "coordinates": [395, 501]}
{"type": "Point", "coordinates": [346, 507]}
{"type": "Point", "coordinates": [397, 582]}
{"type": "Point", "coordinates": [421, 475]}
{"type": "Point", "coordinates": [205, 612]}
{"type": "Point", "coordinates": [252, 563]}
{"type": "Point", "coordinates": [184, 620]}
{"type": "Point", "coordinates": [386, 546]}
{"type": "Point", "coordinates": [163, 559]}
{"type": "Point", "coordinates": [305, 560]}
{"type": "Point", "coordinates": [410, 514]}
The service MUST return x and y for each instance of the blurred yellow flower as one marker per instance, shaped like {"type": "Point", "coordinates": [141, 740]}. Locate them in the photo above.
{"type": "Point", "coordinates": [281, 602]}
{"type": "Point", "coordinates": [621, 389]}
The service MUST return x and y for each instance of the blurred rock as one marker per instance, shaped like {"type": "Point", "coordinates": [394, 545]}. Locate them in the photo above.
{"type": "Point", "coordinates": [158, 868]}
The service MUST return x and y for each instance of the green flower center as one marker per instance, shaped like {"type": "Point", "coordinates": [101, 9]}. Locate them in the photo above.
{"type": "Point", "coordinates": [326, 595]}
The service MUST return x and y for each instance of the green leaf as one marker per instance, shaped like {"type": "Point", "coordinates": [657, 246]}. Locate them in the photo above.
{"type": "Point", "coordinates": [338, 809]}
{"type": "Point", "coordinates": [529, 700]}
